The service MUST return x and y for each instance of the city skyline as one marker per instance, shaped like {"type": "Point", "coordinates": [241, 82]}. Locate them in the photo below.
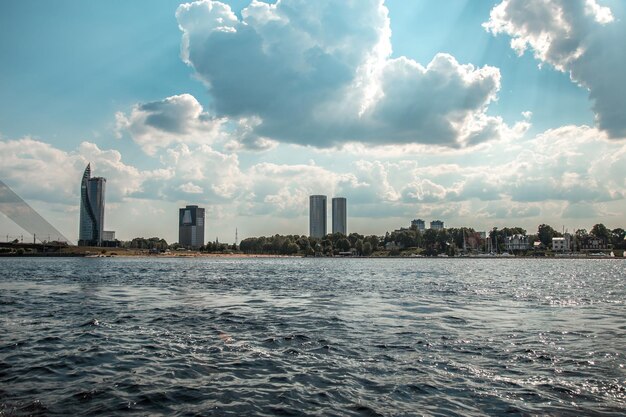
{"type": "Point", "coordinates": [476, 113]}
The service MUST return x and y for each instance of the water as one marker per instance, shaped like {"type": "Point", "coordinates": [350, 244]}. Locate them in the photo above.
{"type": "Point", "coordinates": [312, 337]}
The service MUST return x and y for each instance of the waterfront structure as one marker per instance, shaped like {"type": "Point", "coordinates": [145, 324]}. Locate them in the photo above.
{"type": "Point", "coordinates": [340, 215]}
{"type": "Point", "coordinates": [418, 224]}
{"type": "Point", "coordinates": [593, 243]}
{"type": "Point", "coordinates": [191, 227]}
{"type": "Point", "coordinates": [108, 239]}
{"type": "Point", "coordinates": [317, 216]}
{"type": "Point", "coordinates": [436, 225]}
{"type": "Point", "coordinates": [516, 242]}
{"type": "Point", "coordinates": [91, 225]}
{"type": "Point", "coordinates": [562, 244]}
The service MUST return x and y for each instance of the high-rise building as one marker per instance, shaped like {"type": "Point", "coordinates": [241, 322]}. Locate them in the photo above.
{"type": "Point", "coordinates": [91, 209]}
{"type": "Point", "coordinates": [317, 216]}
{"type": "Point", "coordinates": [340, 215]}
{"type": "Point", "coordinates": [437, 225]}
{"type": "Point", "coordinates": [191, 227]}
{"type": "Point", "coordinates": [418, 224]}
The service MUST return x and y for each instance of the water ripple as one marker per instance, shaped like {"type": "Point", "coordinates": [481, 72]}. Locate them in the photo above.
{"type": "Point", "coordinates": [340, 337]}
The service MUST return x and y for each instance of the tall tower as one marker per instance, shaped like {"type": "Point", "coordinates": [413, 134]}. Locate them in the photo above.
{"type": "Point", "coordinates": [191, 227]}
{"type": "Point", "coordinates": [91, 209]}
{"type": "Point", "coordinates": [340, 215]}
{"type": "Point", "coordinates": [317, 216]}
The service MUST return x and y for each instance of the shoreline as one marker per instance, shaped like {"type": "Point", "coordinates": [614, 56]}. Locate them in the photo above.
{"type": "Point", "coordinates": [266, 256]}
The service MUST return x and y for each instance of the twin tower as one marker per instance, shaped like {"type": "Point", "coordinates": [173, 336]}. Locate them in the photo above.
{"type": "Point", "coordinates": [317, 216]}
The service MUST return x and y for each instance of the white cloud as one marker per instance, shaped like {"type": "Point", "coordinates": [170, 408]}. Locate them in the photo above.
{"type": "Point", "coordinates": [180, 119]}
{"type": "Point", "coordinates": [191, 188]}
{"type": "Point", "coordinates": [580, 37]}
{"type": "Point", "coordinates": [161, 124]}
{"type": "Point", "coordinates": [42, 172]}
{"type": "Point", "coordinates": [321, 74]}
{"type": "Point", "coordinates": [560, 172]}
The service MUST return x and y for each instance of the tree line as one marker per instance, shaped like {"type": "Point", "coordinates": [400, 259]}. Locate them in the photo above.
{"type": "Point", "coordinates": [329, 245]}
{"type": "Point", "coordinates": [429, 242]}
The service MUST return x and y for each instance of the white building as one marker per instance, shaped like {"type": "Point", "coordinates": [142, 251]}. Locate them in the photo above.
{"type": "Point", "coordinates": [562, 244]}
{"type": "Point", "coordinates": [516, 242]}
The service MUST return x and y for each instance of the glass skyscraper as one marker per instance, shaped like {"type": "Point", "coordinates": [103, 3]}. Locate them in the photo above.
{"type": "Point", "coordinates": [317, 216]}
{"type": "Point", "coordinates": [91, 209]}
{"type": "Point", "coordinates": [191, 227]}
{"type": "Point", "coordinates": [340, 215]}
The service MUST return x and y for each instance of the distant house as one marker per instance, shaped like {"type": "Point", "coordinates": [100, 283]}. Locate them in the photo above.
{"type": "Point", "coordinates": [537, 245]}
{"type": "Point", "coordinates": [393, 245]}
{"type": "Point", "coordinates": [563, 244]}
{"type": "Point", "coordinates": [516, 242]}
{"type": "Point", "coordinates": [593, 243]}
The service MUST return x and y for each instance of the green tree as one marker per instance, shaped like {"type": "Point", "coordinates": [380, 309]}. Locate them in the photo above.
{"type": "Point", "coordinates": [359, 246]}
{"type": "Point", "coordinates": [601, 231]}
{"type": "Point", "coordinates": [292, 248]}
{"type": "Point", "coordinates": [367, 248]}
{"type": "Point", "coordinates": [374, 241]}
{"type": "Point", "coordinates": [353, 238]}
{"type": "Point", "coordinates": [545, 234]}
{"type": "Point", "coordinates": [343, 245]}
{"type": "Point", "coordinates": [617, 238]}
{"type": "Point", "coordinates": [430, 242]}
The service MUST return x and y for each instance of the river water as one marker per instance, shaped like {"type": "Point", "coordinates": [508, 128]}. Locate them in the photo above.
{"type": "Point", "coordinates": [297, 336]}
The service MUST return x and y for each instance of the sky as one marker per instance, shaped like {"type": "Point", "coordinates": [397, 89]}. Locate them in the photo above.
{"type": "Point", "coordinates": [480, 113]}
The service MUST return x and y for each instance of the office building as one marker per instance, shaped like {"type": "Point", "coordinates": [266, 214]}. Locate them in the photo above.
{"type": "Point", "coordinates": [317, 216]}
{"type": "Point", "coordinates": [191, 227]}
{"type": "Point", "coordinates": [340, 215]}
{"type": "Point", "coordinates": [436, 225]}
{"type": "Point", "coordinates": [418, 224]}
{"type": "Point", "coordinates": [108, 235]}
{"type": "Point", "coordinates": [91, 209]}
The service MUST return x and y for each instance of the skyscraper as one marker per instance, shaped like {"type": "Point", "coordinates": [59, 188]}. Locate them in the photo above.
{"type": "Point", "coordinates": [418, 224]}
{"type": "Point", "coordinates": [191, 227]}
{"type": "Point", "coordinates": [317, 216]}
{"type": "Point", "coordinates": [91, 209]}
{"type": "Point", "coordinates": [437, 225]}
{"type": "Point", "coordinates": [340, 215]}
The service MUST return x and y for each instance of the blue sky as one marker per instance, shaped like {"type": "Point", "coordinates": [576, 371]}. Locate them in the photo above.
{"type": "Point", "coordinates": [409, 109]}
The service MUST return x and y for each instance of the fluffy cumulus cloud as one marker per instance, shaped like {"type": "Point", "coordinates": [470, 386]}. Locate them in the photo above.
{"type": "Point", "coordinates": [320, 73]}
{"type": "Point", "coordinates": [37, 170]}
{"type": "Point", "coordinates": [570, 164]}
{"type": "Point", "coordinates": [571, 172]}
{"type": "Point", "coordinates": [179, 119]}
{"type": "Point", "coordinates": [580, 37]}
{"type": "Point", "coordinates": [173, 120]}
